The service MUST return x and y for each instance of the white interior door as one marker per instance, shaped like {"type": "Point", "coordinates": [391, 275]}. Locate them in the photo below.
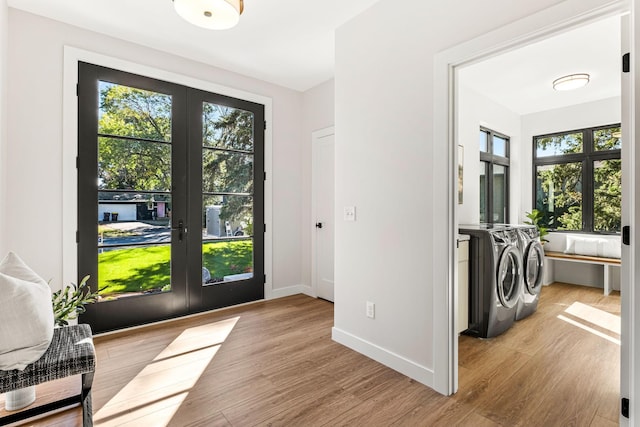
{"type": "Point", "coordinates": [323, 189]}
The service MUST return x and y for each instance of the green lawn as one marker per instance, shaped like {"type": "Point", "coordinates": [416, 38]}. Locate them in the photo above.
{"type": "Point", "coordinates": [148, 268]}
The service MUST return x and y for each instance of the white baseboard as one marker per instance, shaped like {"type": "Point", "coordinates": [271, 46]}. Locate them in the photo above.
{"type": "Point", "coordinates": [394, 361]}
{"type": "Point", "coordinates": [288, 291]}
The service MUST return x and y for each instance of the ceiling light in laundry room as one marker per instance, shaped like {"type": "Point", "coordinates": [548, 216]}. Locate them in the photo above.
{"type": "Point", "coordinates": [570, 82]}
{"type": "Point", "coordinates": [210, 14]}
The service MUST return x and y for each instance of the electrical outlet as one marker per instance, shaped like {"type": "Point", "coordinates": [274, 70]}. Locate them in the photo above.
{"type": "Point", "coordinates": [371, 310]}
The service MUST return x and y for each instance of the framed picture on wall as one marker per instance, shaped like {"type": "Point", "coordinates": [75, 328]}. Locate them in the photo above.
{"type": "Point", "coordinates": [460, 172]}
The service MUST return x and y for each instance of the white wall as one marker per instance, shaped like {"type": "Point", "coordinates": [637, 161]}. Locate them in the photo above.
{"type": "Point", "coordinates": [4, 35]}
{"type": "Point", "coordinates": [390, 167]}
{"type": "Point", "coordinates": [33, 206]}
{"type": "Point", "coordinates": [318, 113]}
{"type": "Point", "coordinates": [475, 110]}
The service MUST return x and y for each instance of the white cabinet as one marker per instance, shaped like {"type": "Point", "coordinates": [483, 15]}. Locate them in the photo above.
{"type": "Point", "coordinates": [462, 322]}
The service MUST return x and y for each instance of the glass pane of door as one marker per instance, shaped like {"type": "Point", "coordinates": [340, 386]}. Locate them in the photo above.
{"type": "Point", "coordinates": [227, 194]}
{"type": "Point", "coordinates": [134, 197]}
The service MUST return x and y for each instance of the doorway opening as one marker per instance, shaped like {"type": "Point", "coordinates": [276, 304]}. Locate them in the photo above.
{"type": "Point", "coordinates": [493, 93]}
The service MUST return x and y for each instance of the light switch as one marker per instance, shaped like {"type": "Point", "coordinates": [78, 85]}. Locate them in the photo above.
{"type": "Point", "coordinates": [349, 213]}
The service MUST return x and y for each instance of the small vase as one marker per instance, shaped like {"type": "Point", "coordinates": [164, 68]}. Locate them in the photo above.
{"type": "Point", "coordinates": [21, 398]}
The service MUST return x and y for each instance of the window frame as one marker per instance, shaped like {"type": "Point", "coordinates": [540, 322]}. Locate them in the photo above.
{"type": "Point", "coordinates": [586, 158]}
{"type": "Point", "coordinates": [487, 160]}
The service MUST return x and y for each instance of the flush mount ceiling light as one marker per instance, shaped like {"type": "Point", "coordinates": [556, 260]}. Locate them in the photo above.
{"type": "Point", "coordinates": [570, 82]}
{"type": "Point", "coordinates": [210, 14]}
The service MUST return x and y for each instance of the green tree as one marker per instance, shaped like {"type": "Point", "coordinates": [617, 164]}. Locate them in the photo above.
{"type": "Point", "coordinates": [607, 180]}
{"type": "Point", "coordinates": [607, 197]}
{"type": "Point", "coordinates": [559, 144]}
{"type": "Point", "coordinates": [135, 148]}
{"type": "Point", "coordinates": [559, 186]}
{"type": "Point", "coordinates": [228, 159]}
{"type": "Point", "coordinates": [560, 195]}
{"type": "Point", "coordinates": [135, 162]}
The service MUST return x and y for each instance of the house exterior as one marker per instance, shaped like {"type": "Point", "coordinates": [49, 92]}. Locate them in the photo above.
{"type": "Point", "coordinates": [383, 105]}
{"type": "Point", "coordinates": [131, 210]}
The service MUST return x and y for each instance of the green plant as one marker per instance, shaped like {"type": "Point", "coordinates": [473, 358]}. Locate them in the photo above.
{"type": "Point", "coordinates": [535, 216]}
{"type": "Point", "coordinates": [69, 301]}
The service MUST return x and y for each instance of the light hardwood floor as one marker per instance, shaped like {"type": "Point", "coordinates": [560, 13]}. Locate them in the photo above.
{"type": "Point", "coordinates": [273, 363]}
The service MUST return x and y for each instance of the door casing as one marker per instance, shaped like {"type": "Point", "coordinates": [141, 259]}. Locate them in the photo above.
{"type": "Point", "coordinates": [530, 29]}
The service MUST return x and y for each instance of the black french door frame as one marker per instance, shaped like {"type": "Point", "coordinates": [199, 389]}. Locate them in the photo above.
{"type": "Point", "coordinates": [188, 294]}
{"type": "Point", "coordinates": [224, 294]}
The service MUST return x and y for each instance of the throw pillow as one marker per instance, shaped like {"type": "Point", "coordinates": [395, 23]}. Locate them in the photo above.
{"type": "Point", "coordinates": [610, 247]}
{"type": "Point", "coordinates": [26, 314]}
{"type": "Point", "coordinates": [587, 246]}
{"type": "Point", "coordinates": [570, 247]}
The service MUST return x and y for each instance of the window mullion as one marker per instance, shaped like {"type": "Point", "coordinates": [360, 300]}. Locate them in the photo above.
{"type": "Point", "coordinates": [489, 190]}
{"type": "Point", "coordinates": [587, 194]}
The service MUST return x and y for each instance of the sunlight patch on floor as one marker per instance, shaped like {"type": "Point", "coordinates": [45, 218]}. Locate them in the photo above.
{"type": "Point", "coordinates": [604, 319]}
{"type": "Point", "coordinates": [156, 393]}
{"type": "Point", "coordinates": [593, 320]}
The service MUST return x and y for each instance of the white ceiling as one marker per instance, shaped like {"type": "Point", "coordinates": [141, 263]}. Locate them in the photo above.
{"type": "Point", "coordinates": [291, 43]}
{"type": "Point", "coordinates": [286, 42]}
{"type": "Point", "coordinates": [521, 79]}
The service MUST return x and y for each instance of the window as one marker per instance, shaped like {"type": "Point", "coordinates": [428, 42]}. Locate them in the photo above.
{"type": "Point", "coordinates": [578, 179]}
{"type": "Point", "coordinates": [494, 177]}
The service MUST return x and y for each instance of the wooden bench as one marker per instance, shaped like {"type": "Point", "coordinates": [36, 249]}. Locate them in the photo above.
{"type": "Point", "coordinates": [71, 353]}
{"type": "Point", "coordinates": [607, 263]}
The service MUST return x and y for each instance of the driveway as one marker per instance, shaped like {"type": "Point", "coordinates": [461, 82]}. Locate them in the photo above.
{"type": "Point", "coordinates": [135, 232]}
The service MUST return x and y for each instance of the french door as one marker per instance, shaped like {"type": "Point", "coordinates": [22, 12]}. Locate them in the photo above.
{"type": "Point", "coordinates": [170, 198]}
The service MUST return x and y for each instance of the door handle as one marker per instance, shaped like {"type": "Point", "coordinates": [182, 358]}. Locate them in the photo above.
{"type": "Point", "coordinates": [180, 228]}
{"type": "Point", "coordinates": [318, 225]}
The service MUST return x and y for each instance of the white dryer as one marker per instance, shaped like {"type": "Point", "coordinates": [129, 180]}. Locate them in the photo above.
{"type": "Point", "coordinates": [495, 278]}
{"type": "Point", "coordinates": [533, 270]}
